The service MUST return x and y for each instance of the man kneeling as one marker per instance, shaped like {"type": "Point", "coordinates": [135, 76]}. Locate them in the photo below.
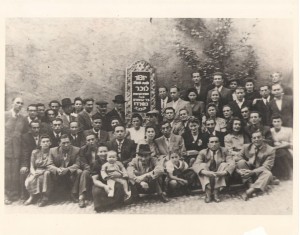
{"type": "Point", "coordinates": [212, 166]}
{"type": "Point", "coordinates": [145, 173]}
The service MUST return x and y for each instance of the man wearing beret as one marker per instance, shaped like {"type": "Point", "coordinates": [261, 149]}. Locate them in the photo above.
{"type": "Point", "coordinates": [101, 107]}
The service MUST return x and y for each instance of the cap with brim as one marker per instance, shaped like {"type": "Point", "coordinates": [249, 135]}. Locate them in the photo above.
{"type": "Point", "coordinates": [101, 102]}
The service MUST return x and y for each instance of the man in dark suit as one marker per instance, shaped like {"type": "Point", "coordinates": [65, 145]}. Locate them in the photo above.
{"type": "Point", "coordinates": [162, 100]}
{"type": "Point", "coordinates": [119, 102]}
{"type": "Point", "coordinates": [199, 85]}
{"type": "Point", "coordinates": [56, 132]}
{"type": "Point", "coordinates": [85, 116]}
{"type": "Point", "coordinates": [15, 125]}
{"type": "Point", "coordinates": [240, 102]}
{"type": "Point", "coordinates": [41, 111]}
{"type": "Point", "coordinates": [101, 135]}
{"type": "Point", "coordinates": [67, 108]}
{"type": "Point", "coordinates": [55, 105]}
{"type": "Point", "coordinates": [262, 105]}
{"type": "Point", "coordinates": [101, 107]}
{"type": "Point", "coordinates": [210, 125]}
{"type": "Point", "coordinates": [225, 93]}
{"type": "Point", "coordinates": [125, 148]}
{"type": "Point", "coordinates": [276, 78]}
{"type": "Point", "coordinates": [32, 115]}
{"type": "Point", "coordinates": [66, 167]}
{"type": "Point", "coordinates": [77, 138]}
{"type": "Point", "coordinates": [250, 94]}
{"type": "Point", "coordinates": [30, 141]}
{"type": "Point", "coordinates": [282, 104]}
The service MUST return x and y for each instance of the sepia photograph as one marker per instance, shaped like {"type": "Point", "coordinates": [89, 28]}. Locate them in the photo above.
{"type": "Point", "coordinates": [149, 116]}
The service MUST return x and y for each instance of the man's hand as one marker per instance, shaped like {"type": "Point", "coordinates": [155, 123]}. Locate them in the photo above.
{"type": "Point", "coordinates": [139, 179]}
{"type": "Point", "coordinates": [24, 170]}
{"type": "Point", "coordinates": [64, 171]}
{"type": "Point", "coordinates": [107, 188]}
{"type": "Point", "coordinates": [144, 185]}
{"type": "Point", "coordinates": [58, 171]}
{"type": "Point", "coordinates": [248, 173]}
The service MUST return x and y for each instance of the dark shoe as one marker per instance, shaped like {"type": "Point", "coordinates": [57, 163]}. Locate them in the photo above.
{"type": "Point", "coordinates": [43, 202]}
{"type": "Point", "coordinates": [7, 202]}
{"type": "Point", "coordinates": [245, 196]}
{"type": "Point", "coordinates": [163, 198]}
{"type": "Point", "coordinates": [208, 199]}
{"type": "Point", "coordinates": [216, 197]}
{"type": "Point", "coordinates": [81, 203]}
{"type": "Point", "coordinates": [74, 198]}
{"type": "Point", "coordinates": [276, 182]}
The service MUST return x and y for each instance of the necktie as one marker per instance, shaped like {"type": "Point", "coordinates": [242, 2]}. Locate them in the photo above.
{"type": "Point", "coordinates": [213, 164]}
{"type": "Point", "coordinates": [256, 155]}
{"type": "Point", "coordinates": [119, 149]}
{"type": "Point", "coordinates": [57, 137]}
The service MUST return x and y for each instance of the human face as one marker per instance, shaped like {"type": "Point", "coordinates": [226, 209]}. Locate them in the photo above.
{"type": "Point", "coordinates": [102, 109]}
{"type": "Point", "coordinates": [174, 159]}
{"type": "Point", "coordinates": [236, 126]}
{"type": "Point", "coordinates": [51, 115]}
{"type": "Point", "coordinates": [119, 106]}
{"type": "Point", "coordinates": [74, 128]}
{"type": "Point", "coordinates": [215, 96]}
{"type": "Point", "coordinates": [136, 123]}
{"type": "Point", "coordinates": [17, 104]}
{"type": "Point", "coordinates": [150, 133]}
{"type": "Point", "coordinates": [233, 85]}
{"type": "Point", "coordinates": [174, 94]}
{"type": "Point", "coordinates": [218, 80]}
{"type": "Point", "coordinates": [277, 90]}
{"type": "Point", "coordinates": [212, 112]}
{"type": "Point", "coordinates": [210, 125]}
{"type": "Point", "coordinates": [111, 158]}
{"type": "Point", "coordinates": [102, 152]}
{"type": "Point", "coordinates": [54, 106]}
{"type": "Point", "coordinates": [249, 86]}
{"type": "Point", "coordinates": [114, 123]}
{"type": "Point", "coordinates": [183, 115]}
{"type": "Point", "coordinates": [166, 130]}
{"type": "Point", "coordinates": [276, 78]}
{"type": "Point", "coordinates": [89, 106]}
{"type": "Point", "coordinates": [119, 132]}
{"type": "Point", "coordinates": [144, 158]}
{"type": "Point", "coordinates": [264, 92]}
{"type": "Point", "coordinates": [90, 140]}
{"type": "Point", "coordinates": [35, 128]}
{"type": "Point", "coordinates": [32, 112]}
{"type": "Point", "coordinates": [213, 143]}
{"type": "Point", "coordinates": [245, 113]}
{"type": "Point", "coordinates": [162, 92]}
{"type": "Point", "coordinates": [97, 124]}
{"type": "Point", "coordinates": [41, 111]}
{"type": "Point", "coordinates": [240, 94]}
{"type": "Point", "coordinates": [194, 127]}
{"type": "Point", "coordinates": [57, 126]}
{"type": "Point", "coordinates": [254, 118]}
{"type": "Point", "coordinates": [45, 143]}
{"type": "Point", "coordinates": [257, 139]}
{"type": "Point", "coordinates": [78, 106]}
{"type": "Point", "coordinates": [192, 96]}
{"type": "Point", "coordinates": [227, 112]}
{"type": "Point", "coordinates": [65, 144]}
{"type": "Point", "coordinates": [170, 114]}
{"type": "Point", "coordinates": [277, 123]}
{"type": "Point", "coordinates": [196, 78]}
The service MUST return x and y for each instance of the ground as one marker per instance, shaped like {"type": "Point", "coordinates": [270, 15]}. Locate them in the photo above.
{"type": "Point", "coordinates": [277, 200]}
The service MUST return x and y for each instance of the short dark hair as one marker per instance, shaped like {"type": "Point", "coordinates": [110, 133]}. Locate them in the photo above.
{"type": "Point", "coordinates": [226, 105]}
{"type": "Point", "coordinates": [64, 136]}
{"type": "Point", "coordinates": [31, 105]}
{"type": "Point", "coordinates": [150, 126]}
{"type": "Point", "coordinates": [193, 119]}
{"type": "Point", "coordinates": [175, 86]}
{"type": "Point", "coordinates": [276, 116]}
{"type": "Point", "coordinates": [34, 121]}
{"type": "Point", "coordinates": [255, 111]}
{"type": "Point", "coordinates": [213, 136]}
{"type": "Point", "coordinates": [40, 104]}
{"type": "Point", "coordinates": [57, 119]}
{"type": "Point", "coordinates": [169, 108]}
{"type": "Point", "coordinates": [119, 126]}
{"type": "Point", "coordinates": [78, 98]}
{"type": "Point", "coordinates": [136, 115]}
{"type": "Point", "coordinates": [54, 101]}
{"type": "Point", "coordinates": [249, 79]}
{"type": "Point", "coordinates": [87, 100]}
{"type": "Point", "coordinates": [96, 117]}
{"type": "Point", "coordinates": [241, 88]}
{"type": "Point", "coordinates": [197, 71]}
{"type": "Point", "coordinates": [162, 86]}
{"type": "Point", "coordinates": [263, 85]}
{"type": "Point", "coordinates": [164, 123]}
{"type": "Point", "coordinates": [210, 119]}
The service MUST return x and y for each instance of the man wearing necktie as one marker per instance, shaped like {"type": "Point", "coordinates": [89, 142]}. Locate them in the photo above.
{"type": "Point", "coordinates": [255, 164]}
{"type": "Point", "coordinates": [212, 166]}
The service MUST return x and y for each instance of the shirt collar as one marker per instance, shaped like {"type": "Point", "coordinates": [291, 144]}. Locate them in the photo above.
{"type": "Point", "coordinates": [14, 114]}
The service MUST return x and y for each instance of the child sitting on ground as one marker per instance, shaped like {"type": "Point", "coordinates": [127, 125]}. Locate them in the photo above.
{"type": "Point", "coordinates": [114, 171]}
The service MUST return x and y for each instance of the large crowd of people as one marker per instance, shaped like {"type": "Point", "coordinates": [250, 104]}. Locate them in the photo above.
{"type": "Point", "coordinates": [205, 137]}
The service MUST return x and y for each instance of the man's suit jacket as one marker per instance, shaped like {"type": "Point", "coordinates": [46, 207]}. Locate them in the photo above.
{"type": "Point", "coordinates": [176, 145]}
{"type": "Point", "coordinates": [128, 150]}
{"type": "Point", "coordinates": [66, 122]}
{"type": "Point", "coordinates": [205, 157]}
{"type": "Point", "coordinates": [28, 145]}
{"type": "Point", "coordinates": [84, 121]}
{"type": "Point", "coordinates": [286, 110]}
{"type": "Point", "coordinates": [180, 105]}
{"type": "Point", "coordinates": [72, 162]}
{"type": "Point", "coordinates": [79, 141]}
{"type": "Point", "coordinates": [264, 160]}
{"type": "Point", "coordinates": [27, 124]}
{"type": "Point", "coordinates": [158, 104]}
{"type": "Point", "coordinates": [237, 110]}
{"type": "Point", "coordinates": [220, 135]}
{"type": "Point", "coordinates": [104, 136]}
{"type": "Point", "coordinates": [105, 122]}
{"type": "Point", "coordinates": [55, 141]}
{"type": "Point", "coordinates": [264, 129]}
{"type": "Point", "coordinates": [265, 111]}
{"type": "Point", "coordinates": [114, 113]}
{"type": "Point", "coordinates": [225, 95]}
{"type": "Point", "coordinates": [200, 96]}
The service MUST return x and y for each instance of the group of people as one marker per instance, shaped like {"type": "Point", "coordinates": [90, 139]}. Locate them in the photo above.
{"type": "Point", "coordinates": [207, 136]}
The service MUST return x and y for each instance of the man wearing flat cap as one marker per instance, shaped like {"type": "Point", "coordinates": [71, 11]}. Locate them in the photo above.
{"type": "Point", "coordinates": [67, 108]}
{"type": "Point", "coordinates": [101, 107]}
{"type": "Point", "coordinates": [145, 173]}
{"type": "Point", "coordinates": [119, 102]}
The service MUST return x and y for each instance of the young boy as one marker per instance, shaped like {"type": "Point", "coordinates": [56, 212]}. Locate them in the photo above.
{"type": "Point", "coordinates": [114, 171]}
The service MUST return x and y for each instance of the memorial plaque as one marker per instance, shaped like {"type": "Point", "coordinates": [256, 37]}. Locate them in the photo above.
{"type": "Point", "coordinates": [140, 89]}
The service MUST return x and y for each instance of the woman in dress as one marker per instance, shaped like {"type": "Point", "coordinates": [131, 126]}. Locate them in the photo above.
{"type": "Point", "coordinates": [38, 182]}
{"type": "Point", "coordinates": [211, 112]}
{"type": "Point", "coordinates": [198, 107]}
{"type": "Point", "coordinates": [283, 144]}
{"type": "Point", "coordinates": [137, 131]}
{"type": "Point", "coordinates": [78, 106]}
{"type": "Point", "coordinates": [100, 189]}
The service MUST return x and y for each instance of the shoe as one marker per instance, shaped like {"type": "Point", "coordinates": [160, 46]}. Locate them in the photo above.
{"type": "Point", "coordinates": [245, 196]}
{"type": "Point", "coordinates": [276, 182]}
{"type": "Point", "coordinates": [216, 197]}
{"type": "Point", "coordinates": [43, 202]}
{"type": "Point", "coordinates": [81, 203]}
{"type": "Point", "coordinates": [7, 202]}
{"type": "Point", "coordinates": [163, 198]}
{"type": "Point", "coordinates": [74, 198]}
{"type": "Point", "coordinates": [29, 201]}
{"type": "Point", "coordinates": [23, 198]}
{"type": "Point", "coordinates": [208, 199]}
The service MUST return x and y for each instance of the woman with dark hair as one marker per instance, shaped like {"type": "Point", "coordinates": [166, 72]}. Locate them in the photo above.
{"type": "Point", "coordinates": [78, 106]}
{"type": "Point", "coordinates": [38, 182]}
{"type": "Point", "coordinates": [137, 131]}
{"type": "Point", "coordinates": [211, 112]}
{"type": "Point", "coordinates": [198, 107]}
{"type": "Point", "coordinates": [236, 138]}
{"type": "Point", "coordinates": [150, 133]}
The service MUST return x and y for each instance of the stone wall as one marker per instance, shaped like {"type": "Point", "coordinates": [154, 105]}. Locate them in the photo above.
{"type": "Point", "coordinates": [68, 57]}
